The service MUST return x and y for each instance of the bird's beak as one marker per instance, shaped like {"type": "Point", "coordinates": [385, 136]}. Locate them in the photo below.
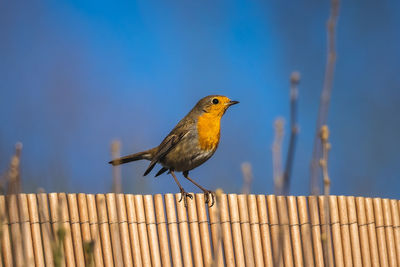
{"type": "Point", "coordinates": [233, 102]}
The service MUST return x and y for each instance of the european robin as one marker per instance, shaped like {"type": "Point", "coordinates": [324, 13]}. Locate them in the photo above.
{"type": "Point", "coordinates": [192, 142]}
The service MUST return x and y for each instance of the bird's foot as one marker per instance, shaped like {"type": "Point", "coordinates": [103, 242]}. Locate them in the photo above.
{"type": "Point", "coordinates": [184, 196]}
{"type": "Point", "coordinates": [207, 194]}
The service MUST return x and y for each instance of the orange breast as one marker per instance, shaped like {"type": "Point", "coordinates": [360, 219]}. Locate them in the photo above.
{"type": "Point", "coordinates": [208, 128]}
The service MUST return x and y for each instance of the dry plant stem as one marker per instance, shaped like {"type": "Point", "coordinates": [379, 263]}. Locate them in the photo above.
{"type": "Point", "coordinates": [277, 154]}
{"type": "Point", "coordinates": [326, 93]}
{"type": "Point", "coordinates": [13, 175]}
{"type": "Point", "coordinates": [294, 81]}
{"type": "Point", "coordinates": [324, 135]}
{"type": "Point", "coordinates": [247, 177]}
{"type": "Point", "coordinates": [116, 170]}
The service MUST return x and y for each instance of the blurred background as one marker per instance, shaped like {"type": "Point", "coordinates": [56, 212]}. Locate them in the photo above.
{"type": "Point", "coordinates": [75, 75]}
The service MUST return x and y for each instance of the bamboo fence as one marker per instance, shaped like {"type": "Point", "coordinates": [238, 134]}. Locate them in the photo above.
{"type": "Point", "coordinates": [59, 229]}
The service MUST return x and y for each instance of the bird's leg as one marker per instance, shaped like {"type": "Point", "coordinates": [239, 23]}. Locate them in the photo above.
{"type": "Point", "coordinates": [207, 193]}
{"type": "Point", "coordinates": [184, 194]}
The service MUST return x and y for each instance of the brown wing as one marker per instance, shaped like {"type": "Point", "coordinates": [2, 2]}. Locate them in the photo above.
{"type": "Point", "coordinates": [166, 145]}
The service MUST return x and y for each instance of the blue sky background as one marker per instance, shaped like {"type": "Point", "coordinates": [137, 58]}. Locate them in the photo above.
{"type": "Point", "coordinates": [75, 75]}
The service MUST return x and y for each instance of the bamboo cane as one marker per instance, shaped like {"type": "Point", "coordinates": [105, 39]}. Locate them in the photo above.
{"type": "Point", "coordinates": [380, 232]}
{"type": "Point", "coordinates": [264, 229]}
{"type": "Point", "coordinates": [255, 230]}
{"type": "Point", "coordinates": [76, 229]}
{"type": "Point", "coordinates": [114, 230]}
{"type": "Point", "coordinates": [195, 233]}
{"type": "Point", "coordinates": [95, 233]}
{"type": "Point", "coordinates": [295, 231]}
{"type": "Point", "coordinates": [152, 230]}
{"type": "Point", "coordinates": [133, 230]}
{"type": "Point", "coordinates": [123, 230]}
{"type": "Point", "coordinates": [363, 232]}
{"type": "Point", "coordinates": [390, 243]}
{"type": "Point", "coordinates": [35, 229]}
{"type": "Point", "coordinates": [305, 228]}
{"type": "Point", "coordinates": [162, 230]}
{"type": "Point", "coordinates": [173, 230]}
{"type": "Point", "coordinates": [142, 230]}
{"type": "Point", "coordinates": [204, 230]}
{"type": "Point", "coordinates": [184, 231]}
{"type": "Point", "coordinates": [104, 230]}
{"type": "Point", "coordinates": [6, 246]}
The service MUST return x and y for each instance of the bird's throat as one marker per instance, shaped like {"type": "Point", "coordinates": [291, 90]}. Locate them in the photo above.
{"type": "Point", "coordinates": [208, 128]}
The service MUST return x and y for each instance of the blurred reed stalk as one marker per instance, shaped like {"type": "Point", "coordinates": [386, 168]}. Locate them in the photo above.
{"type": "Point", "coordinates": [282, 179]}
{"type": "Point", "coordinates": [116, 170]}
{"type": "Point", "coordinates": [326, 146]}
{"type": "Point", "coordinates": [247, 177]}
{"type": "Point", "coordinates": [277, 154]}
{"type": "Point", "coordinates": [13, 177]}
{"type": "Point", "coordinates": [325, 95]}
{"type": "Point", "coordinates": [294, 130]}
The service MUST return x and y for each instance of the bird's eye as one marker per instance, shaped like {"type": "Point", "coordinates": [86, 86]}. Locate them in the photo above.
{"type": "Point", "coordinates": [215, 101]}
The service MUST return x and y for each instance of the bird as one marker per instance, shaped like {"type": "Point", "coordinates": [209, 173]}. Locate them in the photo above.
{"type": "Point", "coordinates": [189, 144]}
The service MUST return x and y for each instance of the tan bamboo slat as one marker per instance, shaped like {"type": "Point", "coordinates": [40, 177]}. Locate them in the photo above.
{"type": "Point", "coordinates": [114, 229]}
{"type": "Point", "coordinates": [373, 243]}
{"type": "Point", "coordinates": [195, 233]}
{"type": "Point", "coordinates": [85, 227]}
{"type": "Point", "coordinates": [55, 215]}
{"type": "Point", "coordinates": [367, 260]}
{"type": "Point", "coordinates": [6, 246]}
{"type": "Point", "coordinates": [236, 230]}
{"type": "Point", "coordinates": [295, 231]}
{"type": "Point", "coordinates": [344, 227]}
{"type": "Point", "coordinates": [26, 230]}
{"type": "Point", "coordinates": [246, 232]}
{"type": "Point", "coordinates": [173, 230]}
{"type": "Point", "coordinates": [162, 230]}
{"type": "Point", "coordinates": [396, 226]}
{"type": "Point", "coordinates": [13, 217]}
{"type": "Point", "coordinates": [104, 230]}
{"type": "Point", "coordinates": [133, 230]}
{"type": "Point", "coordinates": [337, 240]}
{"type": "Point", "coordinates": [142, 230]}
{"type": "Point", "coordinates": [216, 234]}
{"type": "Point", "coordinates": [353, 228]}
{"type": "Point", "coordinates": [204, 230]}
{"type": "Point", "coordinates": [95, 233]}
{"type": "Point", "coordinates": [285, 231]}
{"type": "Point", "coordinates": [152, 230]}
{"type": "Point", "coordinates": [124, 230]}
{"type": "Point", "coordinates": [305, 228]}
{"type": "Point", "coordinates": [265, 230]}
{"type": "Point", "coordinates": [390, 243]}
{"type": "Point", "coordinates": [255, 230]}
{"type": "Point", "coordinates": [76, 229]}
{"type": "Point", "coordinates": [35, 229]}
{"type": "Point", "coordinates": [239, 230]}
{"type": "Point", "coordinates": [275, 231]}
{"type": "Point", "coordinates": [325, 219]}
{"type": "Point", "coordinates": [316, 231]}
{"type": "Point", "coordinates": [184, 231]}
{"type": "Point", "coordinates": [226, 231]}
{"type": "Point", "coordinates": [380, 232]}
{"type": "Point", "coordinates": [65, 224]}
{"type": "Point", "coordinates": [46, 229]}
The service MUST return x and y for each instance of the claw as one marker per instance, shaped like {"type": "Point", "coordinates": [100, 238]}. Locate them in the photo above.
{"type": "Point", "coordinates": [207, 194]}
{"type": "Point", "coordinates": [184, 196]}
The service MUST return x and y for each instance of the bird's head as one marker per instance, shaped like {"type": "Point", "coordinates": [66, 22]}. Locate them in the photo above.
{"type": "Point", "coordinates": [215, 104]}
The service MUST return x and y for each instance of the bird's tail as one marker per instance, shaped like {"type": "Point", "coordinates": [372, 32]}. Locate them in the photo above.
{"type": "Point", "coordinates": [148, 154]}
